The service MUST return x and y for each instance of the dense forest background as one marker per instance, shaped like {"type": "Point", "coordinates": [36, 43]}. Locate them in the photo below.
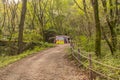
{"type": "Point", "coordinates": [93, 25]}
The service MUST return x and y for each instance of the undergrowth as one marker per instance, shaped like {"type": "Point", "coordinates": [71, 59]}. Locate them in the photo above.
{"type": "Point", "coordinates": [87, 47]}
{"type": "Point", "coordinates": [5, 59]}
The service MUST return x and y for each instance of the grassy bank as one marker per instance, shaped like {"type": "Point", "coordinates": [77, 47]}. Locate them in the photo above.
{"type": "Point", "coordinates": [87, 47]}
{"type": "Point", "coordinates": [6, 60]}
{"type": "Point", "coordinates": [112, 61]}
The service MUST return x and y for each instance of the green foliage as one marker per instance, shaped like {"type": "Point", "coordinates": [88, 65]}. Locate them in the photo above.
{"type": "Point", "coordinates": [53, 17]}
{"type": "Point", "coordinates": [32, 36]}
{"type": "Point", "coordinates": [118, 42]}
{"type": "Point", "coordinates": [50, 35]}
{"type": "Point", "coordinates": [118, 30]}
{"type": "Point", "coordinates": [106, 58]}
{"type": "Point", "coordinates": [5, 60]}
{"type": "Point", "coordinates": [0, 33]}
{"type": "Point", "coordinates": [85, 43]}
{"type": "Point", "coordinates": [46, 44]}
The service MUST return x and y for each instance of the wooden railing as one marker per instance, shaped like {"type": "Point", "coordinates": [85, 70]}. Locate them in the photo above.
{"type": "Point", "coordinates": [77, 54]}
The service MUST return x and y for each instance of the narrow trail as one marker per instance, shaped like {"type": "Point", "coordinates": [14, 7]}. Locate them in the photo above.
{"type": "Point", "coordinates": [49, 64]}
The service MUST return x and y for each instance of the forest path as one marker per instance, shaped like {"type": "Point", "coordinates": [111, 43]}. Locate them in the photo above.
{"type": "Point", "coordinates": [49, 64]}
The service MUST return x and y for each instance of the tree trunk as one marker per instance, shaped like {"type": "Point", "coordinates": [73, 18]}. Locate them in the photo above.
{"type": "Point", "coordinates": [112, 20]}
{"type": "Point", "coordinates": [107, 40]}
{"type": "Point", "coordinates": [112, 27]}
{"type": "Point", "coordinates": [98, 28]}
{"type": "Point", "coordinates": [21, 26]}
{"type": "Point", "coordinates": [87, 18]}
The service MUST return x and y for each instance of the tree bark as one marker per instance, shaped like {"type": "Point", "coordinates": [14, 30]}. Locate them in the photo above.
{"type": "Point", "coordinates": [87, 18]}
{"type": "Point", "coordinates": [21, 26]}
{"type": "Point", "coordinates": [98, 28]}
{"type": "Point", "coordinates": [112, 19]}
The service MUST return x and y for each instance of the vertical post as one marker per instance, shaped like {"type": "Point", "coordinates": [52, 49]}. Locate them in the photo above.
{"type": "Point", "coordinates": [90, 66]}
{"type": "Point", "coordinates": [79, 56]}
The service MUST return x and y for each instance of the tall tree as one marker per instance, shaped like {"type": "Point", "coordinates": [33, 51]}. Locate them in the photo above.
{"type": "Point", "coordinates": [21, 26]}
{"type": "Point", "coordinates": [87, 18]}
{"type": "Point", "coordinates": [98, 28]}
{"type": "Point", "coordinates": [112, 19]}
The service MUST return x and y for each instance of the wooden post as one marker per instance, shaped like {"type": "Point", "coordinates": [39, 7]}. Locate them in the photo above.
{"type": "Point", "coordinates": [90, 66]}
{"type": "Point", "coordinates": [79, 56]}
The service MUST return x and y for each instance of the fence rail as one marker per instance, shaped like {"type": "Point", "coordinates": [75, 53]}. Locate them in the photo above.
{"type": "Point", "coordinates": [90, 67]}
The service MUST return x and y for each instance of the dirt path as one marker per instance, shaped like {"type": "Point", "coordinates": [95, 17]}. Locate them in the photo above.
{"type": "Point", "coordinates": [46, 65]}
